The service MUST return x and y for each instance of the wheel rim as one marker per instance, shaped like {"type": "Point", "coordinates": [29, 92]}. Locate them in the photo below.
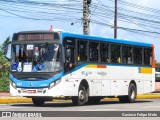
{"type": "Point", "coordinates": [81, 95]}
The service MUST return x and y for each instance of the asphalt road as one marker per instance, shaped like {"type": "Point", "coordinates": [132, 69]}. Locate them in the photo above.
{"type": "Point", "coordinates": [142, 108]}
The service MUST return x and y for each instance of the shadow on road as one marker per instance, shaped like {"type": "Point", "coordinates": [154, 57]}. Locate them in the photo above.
{"type": "Point", "coordinates": [69, 104]}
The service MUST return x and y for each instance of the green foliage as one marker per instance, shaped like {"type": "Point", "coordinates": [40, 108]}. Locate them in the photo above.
{"type": "Point", "coordinates": [4, 69]}
{"type": "Point", "coordinates": [6, 41]}
{"type": "Point", "coordinates": [158, 66]}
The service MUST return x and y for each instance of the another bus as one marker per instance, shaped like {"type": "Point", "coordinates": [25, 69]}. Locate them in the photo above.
{"type": "Point", "coordinates": [57, 64]}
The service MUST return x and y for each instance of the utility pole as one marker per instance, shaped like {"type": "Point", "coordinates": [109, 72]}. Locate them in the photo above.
{"type": "Point", "coordinates": [86, 16]}
{"type": "Point", "coordinates": [115, 20]}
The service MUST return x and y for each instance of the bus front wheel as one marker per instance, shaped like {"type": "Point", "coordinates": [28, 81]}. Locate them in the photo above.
{"type": "Point", "coordinates": [132, 93]}
{"type": "Point", "coordinates": [38, 101]}
{"type": "Point", "coordinates": [82, 96]}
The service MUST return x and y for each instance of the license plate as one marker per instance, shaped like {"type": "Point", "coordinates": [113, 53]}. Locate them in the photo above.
{"type": "Point", "coordinates": [31, 91]}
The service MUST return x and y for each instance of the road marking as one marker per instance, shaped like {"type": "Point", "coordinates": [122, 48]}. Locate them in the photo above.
{"type": "Point", "coordinates": [152, 107]}
{"type": "Point", "coordinates": [99, 110]}
{"type": "Point", "coordinates": [8, 108]}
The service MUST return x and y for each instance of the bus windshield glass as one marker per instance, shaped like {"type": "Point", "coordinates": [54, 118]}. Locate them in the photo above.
{"type": "Point", "coordinates": [41, 57]}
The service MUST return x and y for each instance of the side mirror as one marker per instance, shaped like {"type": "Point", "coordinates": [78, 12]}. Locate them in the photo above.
{"type": "Point", "coordinates": [68, 53]}
{"type": "Point", "coordinates": [7, 51]}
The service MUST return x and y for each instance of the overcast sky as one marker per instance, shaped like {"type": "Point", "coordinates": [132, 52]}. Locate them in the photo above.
{"type": "Point", "coordinates": [10, 25]}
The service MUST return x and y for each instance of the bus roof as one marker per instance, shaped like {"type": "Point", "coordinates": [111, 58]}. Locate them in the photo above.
{"type": "Point", "coordinates": [120, 41]}
{"type": "Point", "coordinates": [90, 37]}
{"type": "Point", "coordinates": [39, 31]}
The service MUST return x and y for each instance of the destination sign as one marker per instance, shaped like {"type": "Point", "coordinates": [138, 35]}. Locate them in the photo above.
{"type": "Point", "coordinates": [22, 37]}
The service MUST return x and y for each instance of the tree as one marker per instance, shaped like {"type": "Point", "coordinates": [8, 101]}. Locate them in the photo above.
{"type": "Point", "coordinates": [6, 41]}
{"type": "Point", "coordinates": [4, 68]}
{"type": "Point", "coordinates": [158, 66]}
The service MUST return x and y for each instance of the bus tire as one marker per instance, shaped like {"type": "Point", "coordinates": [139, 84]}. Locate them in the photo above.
{"type": "Point", "coordinates": [82, 96]}
{"type": "Point", "coordinates": [94, 100]}
{"type": "Point", "coordinates": [131, 97]}
{"type": "Point", "coordinates": [38, 101]}
{"type": "Point", "coordinates": [132, 93]}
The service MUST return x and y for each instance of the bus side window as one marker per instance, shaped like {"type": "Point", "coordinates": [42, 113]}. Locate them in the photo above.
{"type": "Point", "coordinates": [127, 54]}
{"type": "Point", "coordinates": [115, 53]}
{"type": "Point", "coordinates": [137, 52]}
{"type": "Point", "coordinates": [147, 56]}
{"type": "Point", "coordinates": [82, 51]}
{"type": "Point", "coordinates": [104, 52]}
{"type": "Point", "coordinates": [93, 51]}
{"type": "Point", "coordinates": [69, 58]}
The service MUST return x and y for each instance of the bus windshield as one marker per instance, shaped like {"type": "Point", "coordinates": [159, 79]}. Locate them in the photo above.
{"type": "Point", "coordinates": [41, 57]}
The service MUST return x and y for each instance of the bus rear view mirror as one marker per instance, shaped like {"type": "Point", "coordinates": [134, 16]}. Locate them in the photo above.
{"type": "Point", "coordinates": [68, 53]}
{"type": "Point", "coordinates": [7, 51]}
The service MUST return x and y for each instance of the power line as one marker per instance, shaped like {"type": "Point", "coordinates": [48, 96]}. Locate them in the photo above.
{"type": "Point", "coordinates": [41, 7]}
{"type": "Point", "coordinates": [8, 6]}
{"type": "Point", "coordinates": [137, 31]}
{"type": "Point", "coordinates": [131, 19]}
{"type": "Point", "coordinates": [32, 18]}
{"type": "Point", "coordinates": [53, 10]}
{"type": "Point", "coordinates": [138, 6]}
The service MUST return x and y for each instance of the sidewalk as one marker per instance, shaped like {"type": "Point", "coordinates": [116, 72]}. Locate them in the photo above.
{"type": "Point", "coordinates": [5, 97]}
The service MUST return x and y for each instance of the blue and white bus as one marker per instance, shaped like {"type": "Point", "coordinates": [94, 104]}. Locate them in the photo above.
{"type": "Point", "coordinates": [57, 64]}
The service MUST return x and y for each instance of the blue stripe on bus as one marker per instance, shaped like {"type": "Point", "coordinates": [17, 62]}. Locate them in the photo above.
{"type": "Point", "coordinates": [95, 38]}
{"type": "Point", "coordinates": [35, 83]}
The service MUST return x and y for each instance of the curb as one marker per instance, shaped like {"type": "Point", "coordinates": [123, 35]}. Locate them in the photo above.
{"type": "Point", "coordinates": [148, 96]}
{"type": "Point", "coordinates": [9, 100]}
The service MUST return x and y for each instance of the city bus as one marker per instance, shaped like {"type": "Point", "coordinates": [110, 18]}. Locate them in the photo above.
{"type": "Point", "coordinates": [56, 64]}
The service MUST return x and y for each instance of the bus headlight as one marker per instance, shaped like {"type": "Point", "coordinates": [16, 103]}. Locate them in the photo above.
{"type": "Point", "coordinates": [53, 84]}
{"type": "Point", "coordinates": [13, 84]}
